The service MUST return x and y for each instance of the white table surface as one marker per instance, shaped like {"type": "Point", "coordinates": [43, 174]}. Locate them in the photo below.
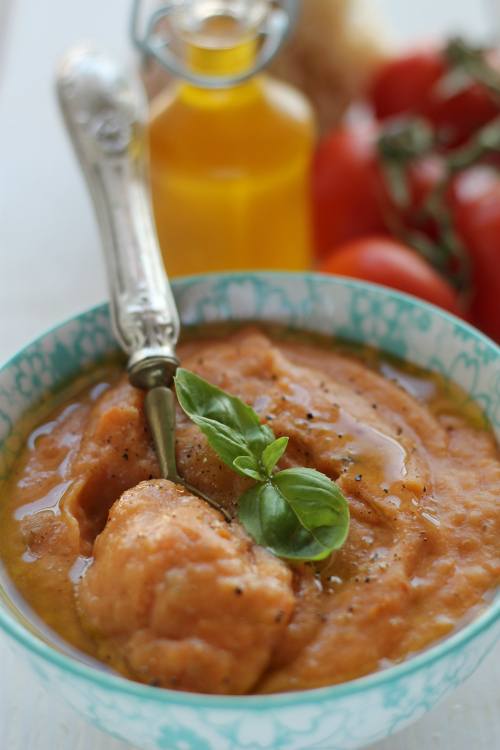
{"type": "Point", "coordinates": [51, 268]}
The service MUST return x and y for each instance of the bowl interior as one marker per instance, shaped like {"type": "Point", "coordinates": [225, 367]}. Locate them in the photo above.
{"type": "Point", "coordinates": [363, 313]}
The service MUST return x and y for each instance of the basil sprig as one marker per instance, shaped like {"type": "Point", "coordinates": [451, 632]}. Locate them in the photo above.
{"type": "Point", "coordinates": [298, 514]}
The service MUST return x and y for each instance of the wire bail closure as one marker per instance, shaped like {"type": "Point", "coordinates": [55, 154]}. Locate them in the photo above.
{"type": "Point", "coordinates": [276, 27]}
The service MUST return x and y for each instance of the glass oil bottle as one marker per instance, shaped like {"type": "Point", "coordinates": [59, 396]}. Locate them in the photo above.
{"type": "Point", "coordinates": [230, 146]}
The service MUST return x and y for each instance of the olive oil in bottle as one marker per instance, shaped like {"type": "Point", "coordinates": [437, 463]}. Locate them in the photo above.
{"type": "Point", "coordinates": [230, 148]}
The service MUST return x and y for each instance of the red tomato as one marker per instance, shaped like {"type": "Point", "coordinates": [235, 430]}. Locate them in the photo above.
{"type": "Point", "coordinates": [345, 187]}
{"type": "Point", "coordinates": [350, 198]}
{"type": "Point", "coordinates": [423, 175]}
{"type": "Point", "coordinates": [403, 84]}
{"type": "Point", "coordinates": [477, 219]}
{"type": "Point", "coordinates": [411, 85]}
{"type": "Point", "coordinates": [388, 262]}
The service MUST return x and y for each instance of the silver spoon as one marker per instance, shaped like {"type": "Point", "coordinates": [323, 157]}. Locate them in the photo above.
{"type": "Point", "coordinates": [105, 116]}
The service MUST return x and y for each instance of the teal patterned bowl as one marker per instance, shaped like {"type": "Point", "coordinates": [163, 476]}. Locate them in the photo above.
{"type": "Point", "coordinates": [343, 717]}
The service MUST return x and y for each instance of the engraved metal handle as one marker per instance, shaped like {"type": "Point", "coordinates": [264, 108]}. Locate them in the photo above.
{"type": "Point", "coordinates": [105, 117]}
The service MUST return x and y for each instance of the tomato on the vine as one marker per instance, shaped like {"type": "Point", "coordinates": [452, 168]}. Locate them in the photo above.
{"type": "Point", "coordinates": [415, 84]}
{"type": "Point", "coordinates": [345, 188]}
{"type": "Point", "coordinates": [350, 194]}
{"type": "Point", "coordinates": [477, 220]}
{"type": "Point", "coordinates": [404, 84]}
{"type": "Point", "coordinates": [389, 203]}
{"type": "Point", "coordinates": [385, 261]}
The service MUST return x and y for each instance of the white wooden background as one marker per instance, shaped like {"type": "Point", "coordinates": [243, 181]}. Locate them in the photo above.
{"type": "Point", "coordinates": [51, 268]}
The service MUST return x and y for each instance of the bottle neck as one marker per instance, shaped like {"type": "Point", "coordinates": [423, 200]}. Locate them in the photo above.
{"type": "Point", "coordinates": [220, 38]}
{"type": "Point", "coordinates": [222, 61]}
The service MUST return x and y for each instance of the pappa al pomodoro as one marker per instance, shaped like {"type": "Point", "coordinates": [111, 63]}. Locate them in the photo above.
{"type": "Point", "coordinates": [135, 571]}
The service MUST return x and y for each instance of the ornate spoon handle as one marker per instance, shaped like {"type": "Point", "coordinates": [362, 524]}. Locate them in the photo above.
{"type": "Point", "coordinates": [105, 117]}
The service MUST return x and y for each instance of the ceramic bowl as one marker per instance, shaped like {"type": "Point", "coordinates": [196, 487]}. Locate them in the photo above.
{"type": "Point", "coordinates": [344, 717]}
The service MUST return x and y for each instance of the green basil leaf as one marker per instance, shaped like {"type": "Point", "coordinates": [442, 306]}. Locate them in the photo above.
{"type": "Point", "coordinates": [273, 453]}
{"type": "Point", "coordinates": [300, 514]}
{"type": "Point", "coordinates": [202, 400]}
{"type": "Point", "coordinates": [249, 509]}
{"type": "Point", "coordinates": [250, 467]}
{"type": "Point", "coordinates": [224, 441]}
{"type": "Point", "coordinates": [260, 438]}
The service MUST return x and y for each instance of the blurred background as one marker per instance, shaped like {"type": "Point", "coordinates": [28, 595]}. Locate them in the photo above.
{"type": "Point", "coordinates": [51, 267]}
{"type": "Point", "coordinates": [50, 259]}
